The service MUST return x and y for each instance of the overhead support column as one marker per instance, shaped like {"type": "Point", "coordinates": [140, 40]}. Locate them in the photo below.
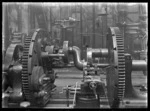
{"type": "Point", "coordinates": [19, 18]}
{"type": "Point", "coordinates": [81, 30]}
{"type": "Point", "coordinates": [93, 25]}
{"type": "Point", "coordinates": [51, 19]}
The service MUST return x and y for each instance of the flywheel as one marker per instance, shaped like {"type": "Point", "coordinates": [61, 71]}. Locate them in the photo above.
{"type": "Point", "coordinates": [115, 77]}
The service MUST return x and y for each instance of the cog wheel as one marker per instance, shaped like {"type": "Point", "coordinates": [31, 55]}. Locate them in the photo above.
{"type": "Point", "coordinates": [34, 44]}
{"type": "Point", "coordinates": [116, 73]}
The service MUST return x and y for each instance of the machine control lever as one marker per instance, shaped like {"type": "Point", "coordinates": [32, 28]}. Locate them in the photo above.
{"type": "Point", "coordinates": [93, 86]}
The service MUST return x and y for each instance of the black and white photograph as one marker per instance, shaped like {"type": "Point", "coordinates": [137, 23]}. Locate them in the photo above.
{"type": "Point", "coordinates": [75, 55]}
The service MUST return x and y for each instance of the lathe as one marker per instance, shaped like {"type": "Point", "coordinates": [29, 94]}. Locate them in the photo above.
{"type": "Point", "coordinates": [28, 76]}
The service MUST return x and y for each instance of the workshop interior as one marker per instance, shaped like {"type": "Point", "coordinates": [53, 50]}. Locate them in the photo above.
{"type": "Point", "coordinates": [74, 55]}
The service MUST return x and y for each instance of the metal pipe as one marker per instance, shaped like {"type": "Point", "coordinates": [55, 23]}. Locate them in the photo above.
{"type": "Point", "coordinates": [139, 65]}
{"type": "Point", "coordinates": [76, 56]}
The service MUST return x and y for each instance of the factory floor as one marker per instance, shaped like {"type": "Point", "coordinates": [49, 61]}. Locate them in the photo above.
{"type": "Point", "coordinates": [71, 76]}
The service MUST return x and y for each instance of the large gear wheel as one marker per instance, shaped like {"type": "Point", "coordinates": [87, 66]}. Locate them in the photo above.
{"type": "Point", "coordinates": [116, 73]}
{"type": "Point", "coordinates": [34, 44]}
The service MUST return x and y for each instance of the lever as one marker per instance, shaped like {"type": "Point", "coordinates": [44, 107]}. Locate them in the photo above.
{"type": "Point", "coordinates": [93, 86]}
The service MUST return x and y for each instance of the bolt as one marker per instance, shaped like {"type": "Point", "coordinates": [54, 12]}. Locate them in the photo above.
{"type": "Point", "coordinates": [42, 93]}
{"type": "Point", "coordinates": [24, 104]}
{"type": "Point", "coordinates": [128, 56]}
{"type": "Point", "coordinates": [127, 102]}
{"type": "Point", "coordinates": [143, 88]}
{"type": "Point", "coordinates": [112, 34]}
{"type": "Point", "coordinates": [46, 79]}
{"type": "Point", "coordinates": [115, 48]}
{"type": "Point", "coordinates": [35, 51]}
{"type": "Point", "coordinates": [116, 67]}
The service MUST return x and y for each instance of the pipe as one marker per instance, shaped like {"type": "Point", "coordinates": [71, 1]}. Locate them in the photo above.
{"type": "Point", "coordinates": [76, 52]}
{"type": "Point", "coordinates": [139, 65]}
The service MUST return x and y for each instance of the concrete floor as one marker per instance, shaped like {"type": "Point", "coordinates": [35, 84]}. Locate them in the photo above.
{"type": "Point", "coordinates": [72, 75]}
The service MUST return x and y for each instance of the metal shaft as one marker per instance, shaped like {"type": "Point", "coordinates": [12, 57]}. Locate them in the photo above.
{"type": "Point", "coordinates": [46, 54]}
{"type": "Point", "coordinates": [101, 52]}
{"type": "Point", "coordinates": [130, 92]}
{"type": "Point", "coordinates": [139, 65]}
{"type": "Point", "coordinates": [55, 55]}
{"type": "Point", "coordinates": [103, 65]}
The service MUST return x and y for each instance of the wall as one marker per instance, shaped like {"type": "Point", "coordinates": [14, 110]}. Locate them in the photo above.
{"type": "Point", "coordinates": [19, 18]}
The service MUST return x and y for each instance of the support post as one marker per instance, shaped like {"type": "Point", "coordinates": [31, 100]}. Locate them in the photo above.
{"type": "Point", "coordinates": [81, 31]}
{"type": "Point", "coordinates": [130, 92]}
{"type": "Point", "coordinates": [93, 25]}
{"type": "Point", "coordinates": [51, 19]}
{"type": "Point", "coordinates": [19, 18]}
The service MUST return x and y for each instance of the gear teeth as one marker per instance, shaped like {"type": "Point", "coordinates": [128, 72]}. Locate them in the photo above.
{"type": "Point", "coordinates": [25, 81]}
{"type": "Point", "coordinates": [121, 66]}
{"type": "Point", "coordinates": [116, 40]}
{"type": "Point", "coordinates": [26, 84]}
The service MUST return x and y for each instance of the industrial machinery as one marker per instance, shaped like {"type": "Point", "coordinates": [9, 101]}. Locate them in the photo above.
{"type": "Point", "coordinates": [28, 70]}
{"type": "Point", "coordinates": [18, 38]}
{"type": "Point", "coordinates": [135, 34]}
{"type": "Point", "coordinates": [67, 29]}
{"type": "Point", "coordinates": [119, 87]}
